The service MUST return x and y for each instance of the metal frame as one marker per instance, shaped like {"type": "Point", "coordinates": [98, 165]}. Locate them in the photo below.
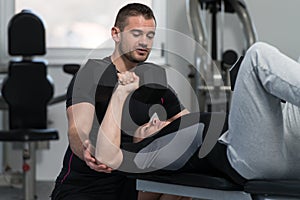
{"type": "Point", "coordinates": [188, 191]}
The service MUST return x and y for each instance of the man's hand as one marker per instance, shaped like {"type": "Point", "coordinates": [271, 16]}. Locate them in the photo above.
{"type": "Point", "coordinates": [91, 161]}
{"type": "Point", "coordinates": [128, 81]}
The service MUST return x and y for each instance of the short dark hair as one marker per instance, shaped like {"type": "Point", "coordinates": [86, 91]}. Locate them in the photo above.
{"type": "Point", "coordinates": [132, 9]}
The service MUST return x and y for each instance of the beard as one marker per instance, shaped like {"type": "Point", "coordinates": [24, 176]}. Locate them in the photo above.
{"type": "Point", "coordinates": [130, 55]}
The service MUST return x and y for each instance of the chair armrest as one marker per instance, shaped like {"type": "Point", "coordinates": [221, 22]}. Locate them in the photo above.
{"type": "Point", "coordinates": [28, 135]}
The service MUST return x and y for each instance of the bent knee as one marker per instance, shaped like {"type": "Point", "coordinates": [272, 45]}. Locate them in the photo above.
{"type": "Point", "coordinates": [262, 48]}
{"type": "Point", "coordinates": [260, 53]}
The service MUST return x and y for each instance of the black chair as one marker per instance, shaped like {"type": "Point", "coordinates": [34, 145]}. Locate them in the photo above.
{"type": "Point", "coordinates": [27, 90]}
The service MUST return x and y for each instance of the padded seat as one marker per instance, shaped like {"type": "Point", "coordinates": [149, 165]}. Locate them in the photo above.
{"type": "Point", "coordinates": [194, 180]}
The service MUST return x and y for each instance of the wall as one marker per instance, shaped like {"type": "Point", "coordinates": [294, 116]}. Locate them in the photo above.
{"type": "Point", "coordinates": [179, 48]}
{"type": "Point", "coordinates": [277, 22]}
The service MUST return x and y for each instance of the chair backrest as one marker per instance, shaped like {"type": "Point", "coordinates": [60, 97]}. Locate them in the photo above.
{"type": "Point", "coordinates": [27, 88]}
{"type": "Point", "coordinates": [26, 35]}
{"type": "Point", "coordinates": [27, 92]}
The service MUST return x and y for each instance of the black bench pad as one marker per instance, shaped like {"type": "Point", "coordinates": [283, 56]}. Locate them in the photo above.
{"type": "Point", "coordinates": [194, 180]}
{"type": "Point", "coordinates": [274, 187]}
{"type": "Point", "coordinates": [271, 187]}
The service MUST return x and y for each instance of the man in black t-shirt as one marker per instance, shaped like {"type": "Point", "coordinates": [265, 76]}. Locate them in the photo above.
{"type": "Point", "coordinates": [89, 94]}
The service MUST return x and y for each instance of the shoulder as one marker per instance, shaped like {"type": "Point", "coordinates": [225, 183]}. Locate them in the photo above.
{"type": "Point", "coordinates": [95, 68]}
{"type": "Point", "coordinates": [96, 63]}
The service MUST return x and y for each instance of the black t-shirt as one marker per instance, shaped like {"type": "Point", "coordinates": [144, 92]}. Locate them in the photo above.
{"type": "Point", "coordinates": [95, 83]}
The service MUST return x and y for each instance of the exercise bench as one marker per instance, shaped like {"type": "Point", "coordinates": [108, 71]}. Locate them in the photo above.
{"type": "Point", "coordinates": [216, 188]}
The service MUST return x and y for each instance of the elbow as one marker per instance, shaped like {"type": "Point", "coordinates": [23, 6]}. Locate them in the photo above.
{"type": "Point", "coordinates": [110, 159]}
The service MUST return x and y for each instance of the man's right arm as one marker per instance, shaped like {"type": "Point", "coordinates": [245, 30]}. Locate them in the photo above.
{"type": "Point", "coordinates": [80, 120]}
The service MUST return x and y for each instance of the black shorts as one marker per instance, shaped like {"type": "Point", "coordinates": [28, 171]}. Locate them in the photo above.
{"type": "Point", "coordinates": [218, 160]}
{"type": "Point", "coordinates": [115, 187]}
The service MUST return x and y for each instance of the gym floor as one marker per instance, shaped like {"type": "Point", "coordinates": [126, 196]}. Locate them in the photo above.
{"type": "Point", "coordinates": [44, 189]}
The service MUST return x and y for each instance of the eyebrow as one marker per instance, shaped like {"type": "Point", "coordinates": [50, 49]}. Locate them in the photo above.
{"type": "Point", "coordinates": [141, 31]}
{"type": "Point", "coordinates": [136, 30]}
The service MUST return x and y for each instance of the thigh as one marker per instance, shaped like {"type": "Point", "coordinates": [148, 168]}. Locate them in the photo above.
{"type": "Point", "coordinates": [255, 121]}
{"type": "Point", "coordinates": [291, 116]}
{"type": "Point", "coordinates": [68, 193]}
{"type": "Point", "coordinates": [108, 188]}
{"type": "Point", "coordinates": [148, 196]}
{"type": "Point", "coordinates": [129, 190]}
{"type": "Point", "coordinates": [265, 77]}
{"type": "Point", "coordinates": [73, 193]}
{"type": "Point", "coordinates": [90, 197]}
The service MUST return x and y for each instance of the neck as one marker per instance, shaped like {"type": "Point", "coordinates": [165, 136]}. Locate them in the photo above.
{"type": "Point", "coordinates": [121, 62]}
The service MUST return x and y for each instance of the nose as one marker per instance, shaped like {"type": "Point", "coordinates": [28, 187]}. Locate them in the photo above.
{"type": "Point", "coordinates": [155, 121]}
{"type": "Point", "coordinates": [143, 41]}
{"type": "Point", "coordinates": [143, 44]}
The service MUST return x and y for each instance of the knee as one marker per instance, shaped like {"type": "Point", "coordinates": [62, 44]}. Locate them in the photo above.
{"type": "Point", "coordinates": [259, 47]}
{"type": "Point", "coordinates": [260, 52]}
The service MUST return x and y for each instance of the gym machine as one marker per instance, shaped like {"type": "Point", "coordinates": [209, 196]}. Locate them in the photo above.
{"type": "Point", "coordinates": [27, 90]}
{"type": "Point", "coordinates": [210, 76]}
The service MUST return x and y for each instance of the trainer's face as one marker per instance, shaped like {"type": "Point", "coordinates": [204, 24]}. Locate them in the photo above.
{"type": "Point", "coordinates": [136, 40]}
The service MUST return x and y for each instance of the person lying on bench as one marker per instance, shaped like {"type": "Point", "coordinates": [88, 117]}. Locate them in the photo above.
{"type": "Point", "coordinates": [262, 141]}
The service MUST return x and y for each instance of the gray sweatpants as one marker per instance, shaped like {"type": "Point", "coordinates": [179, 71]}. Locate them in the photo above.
{"type": "Point", "coordinates": [264, 136]}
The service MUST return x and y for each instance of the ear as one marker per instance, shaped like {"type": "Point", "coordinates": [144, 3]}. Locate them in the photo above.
{"type": "Point", "coordinates": [115, 34]}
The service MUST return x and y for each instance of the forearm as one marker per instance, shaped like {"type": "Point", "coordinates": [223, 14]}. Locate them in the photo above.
{"type": "Point", "coordinates": [109, 136]}
{"type": "Point", "coordinates": [80, 117]}
{"type": "Point", "coordinates": [76, 144]}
